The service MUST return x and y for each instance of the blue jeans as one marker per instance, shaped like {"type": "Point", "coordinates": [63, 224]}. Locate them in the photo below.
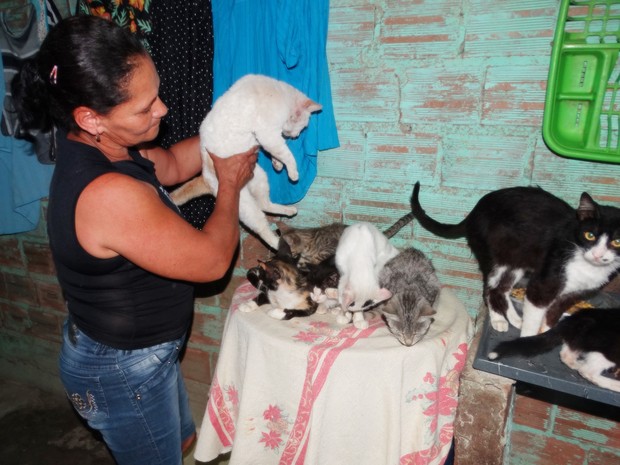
{"type": "Point", "coordinates": [135, 398]}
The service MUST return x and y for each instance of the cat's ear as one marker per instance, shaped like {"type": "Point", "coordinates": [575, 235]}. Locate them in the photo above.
{"type": "Point", "coordinates": [587, 208]}
{"type": "Point", "coordinates": [427, 310]}
{"type": "Point", "coordinates": [312, 106]}
{"type": "Point", "coordinates": [347, 299]}
{"type": "Point", "coordinates": [382, 294]}
{"type": "Point", "coordinates": [284, 249]}
{"type": "Point", "coordinates": [389, 314]}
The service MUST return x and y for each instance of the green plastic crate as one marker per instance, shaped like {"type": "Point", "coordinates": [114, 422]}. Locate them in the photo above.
{"type": "Point", "coordinates": [582, 106]}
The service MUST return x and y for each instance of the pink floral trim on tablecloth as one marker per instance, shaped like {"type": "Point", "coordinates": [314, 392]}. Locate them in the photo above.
{"type": "Point", "coordinates": [442, 401]}
{"type": "Point", "coordinates": [221, 418]}
{"type": "Point", "coordinates": [320, 360]}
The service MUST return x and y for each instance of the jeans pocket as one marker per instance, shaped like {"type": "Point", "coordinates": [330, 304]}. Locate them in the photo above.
{"type": "Point", "coordinates": [87, 396]}
{"type": "Point", "coordinates": [151, 369]}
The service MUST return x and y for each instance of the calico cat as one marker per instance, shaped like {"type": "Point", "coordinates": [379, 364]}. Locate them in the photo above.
{"type": "Point", "coordinates": [361, 253]}
{"type": "Point", "coordinates": [287, 289]}
{"type": "Point", "coordinates": [411, 278]}
{"type": "Point", "coordinates": [255, 110]}
{"type": "Point", "coordinates": [590, 344]}
{"type": "Point", "coordinates": [313, 245]}
{"type": "Point", "coordinates": [566, 253]}
{"type": "Point", "coordinates": [286, 286]}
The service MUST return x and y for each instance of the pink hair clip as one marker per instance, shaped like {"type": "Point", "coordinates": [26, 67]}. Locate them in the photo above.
{"type": "Point", "coordinates": [54, 74]}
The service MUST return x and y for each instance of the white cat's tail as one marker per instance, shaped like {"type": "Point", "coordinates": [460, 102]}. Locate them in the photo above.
{"type": "Point", "coordinates": [193, 188]}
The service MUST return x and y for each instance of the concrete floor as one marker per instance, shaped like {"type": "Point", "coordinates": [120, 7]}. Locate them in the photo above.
{"type": "Point", "coordinates": [39, 428]}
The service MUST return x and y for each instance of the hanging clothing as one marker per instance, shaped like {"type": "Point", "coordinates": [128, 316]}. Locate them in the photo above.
{"type": "Point", "coordinates": [24, 181]}
{"type": "Point", "coordinates": [134, 16]}
{"type": "Point", "coordinates": [179, 37]}
{"type": "Point", "coordinates": [284, 39]}
{"type": "Point", "coordinates": [182, 49]}
{"type": "Point", "coordinates": [20, 39]}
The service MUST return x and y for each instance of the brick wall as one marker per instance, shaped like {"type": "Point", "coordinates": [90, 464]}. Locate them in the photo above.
{"type": "Point", "coordinates": [548, 428]}
{"type": "Point", "coordinates": [447, 92]}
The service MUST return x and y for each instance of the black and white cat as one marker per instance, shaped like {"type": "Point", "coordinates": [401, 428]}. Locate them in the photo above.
{"type": "Point", "coordinates": [411, 278]}
{"type": "Point", "coordinates": [566, 253]}
{"type": "Point", "coordinates": [590, 345]}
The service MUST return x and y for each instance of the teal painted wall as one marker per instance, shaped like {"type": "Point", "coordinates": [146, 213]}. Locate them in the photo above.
{"type": "Point", "coordinates": [450, 93]}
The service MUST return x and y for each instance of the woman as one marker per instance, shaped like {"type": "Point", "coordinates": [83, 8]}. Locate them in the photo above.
{"type": "Point", "coordinates": [123, 253]}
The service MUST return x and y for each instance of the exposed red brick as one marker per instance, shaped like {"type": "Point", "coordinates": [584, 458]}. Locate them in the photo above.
{"type": "Point", "coordinates": [10, 254]}
{"type": "Point", "coordinates": [586, 428]}
{"type": "Point", "coordinates": [38, 257]}
{"type": "Point", "coordinates": [196, 365]}
{"type": "Point", "coordinates": [532, 413]}
{"type": "Point", "coordinates": [526, 447]}
{"type": "Point", "coordinates": [45, 325]}
{"type": "Point", "coordinates": [21, 289]}
{"type": "Point", "coordinates": [603, 457]}
{"type": "Point", "coordinates": [50, 295]}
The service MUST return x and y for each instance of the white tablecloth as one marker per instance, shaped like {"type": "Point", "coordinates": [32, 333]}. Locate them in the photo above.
{"type": "Point", "coordinates": [311, 391]}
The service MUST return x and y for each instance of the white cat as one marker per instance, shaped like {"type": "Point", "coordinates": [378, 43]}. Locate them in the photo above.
{"type": "Point", "coordinates": [362, 252]}
{"type": "Point", "coordinates": [255, 110]}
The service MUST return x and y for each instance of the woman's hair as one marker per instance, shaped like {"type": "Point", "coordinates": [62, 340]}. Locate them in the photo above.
{"type": "Point", "coordinates": [83, 61]}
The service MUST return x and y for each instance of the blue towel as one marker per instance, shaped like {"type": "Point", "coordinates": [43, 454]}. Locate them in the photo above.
{"type": "Point", "coordinates": [284, 39]}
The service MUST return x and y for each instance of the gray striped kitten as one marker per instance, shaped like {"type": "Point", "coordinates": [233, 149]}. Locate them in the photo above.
{"type": "Point", "coordinates": [311, 246]}
{"type": "Point", "coordinates": [411, 278]}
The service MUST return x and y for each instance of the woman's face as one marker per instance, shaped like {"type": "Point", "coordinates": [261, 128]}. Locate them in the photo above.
{"type": "Point", "coordinates": [137, 119]}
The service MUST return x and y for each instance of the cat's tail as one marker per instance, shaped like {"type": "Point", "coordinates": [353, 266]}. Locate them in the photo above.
{"type": "Point", "coordinates": [528, 346]}
{"type": "Point", "coordinates": [449, 231]}
{"type": "Point", "coordinates": [401, 223]}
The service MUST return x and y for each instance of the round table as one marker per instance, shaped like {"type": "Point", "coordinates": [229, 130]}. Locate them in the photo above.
{"type": "Point", "coordinates": [311, 391]}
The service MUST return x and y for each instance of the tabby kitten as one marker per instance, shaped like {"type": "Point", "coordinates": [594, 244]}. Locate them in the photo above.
{"type": "Point", "coordinates": [590, 344]}
{"type": "Point", "coordinates": [566, 253]}
{"type": "Point", "coordinates": [411, 278]}
{"type": "Point", "coordinates": [313, 245]}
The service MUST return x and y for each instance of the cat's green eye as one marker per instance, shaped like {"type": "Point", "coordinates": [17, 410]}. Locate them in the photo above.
{"type": "Point", "coordinates": [615, 243]}
{"type": "Point", "coordinates": [589, 236]}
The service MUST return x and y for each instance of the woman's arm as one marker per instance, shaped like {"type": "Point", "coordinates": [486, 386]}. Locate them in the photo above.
{"type": "Point", "coordinates": [119, 215]}
{"type": "Point", "coordinates": [176, 164]}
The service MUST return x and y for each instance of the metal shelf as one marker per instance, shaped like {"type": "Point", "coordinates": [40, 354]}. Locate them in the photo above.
{"type": "Point", "coordinates": [546, 370]}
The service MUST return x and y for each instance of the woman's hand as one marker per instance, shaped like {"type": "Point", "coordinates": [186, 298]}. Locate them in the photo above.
{"type": "Point", "coordinates": [237, 170]}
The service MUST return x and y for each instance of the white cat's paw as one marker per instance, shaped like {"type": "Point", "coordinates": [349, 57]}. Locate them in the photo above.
{"type": "Point", "coordinates": [336, 310]}
{"type": "Point", "coordinates": [317, 295]}
{"type": "Point", "coordinates": [276, 313]}
{"type": "Point", "coordinates": [289, 211]}
{"type": "Point", "coordinates": [344, 318]}
{"type": "Point", "coordinates": [248, 306]}
{"type": "Point", "coordinates": [499, 324]}
{"type": "Point", "coordinates": [321, 309]}
{"type": "Point", "coordinates": [277, 164]}
{"type": "Point", "coordinates": [331, 293]}
{"type": "Point", "coordinates": [293, 175]}
{"type": "Point", "coordinates": [361, 324]}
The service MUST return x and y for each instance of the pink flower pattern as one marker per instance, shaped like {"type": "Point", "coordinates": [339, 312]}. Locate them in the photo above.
{"type": "Point", "coordinates": [277, 426]}
{"type": "Point", "coordinates": [441, 401]}
{"type": "Point", "coordinates": [319, 332]}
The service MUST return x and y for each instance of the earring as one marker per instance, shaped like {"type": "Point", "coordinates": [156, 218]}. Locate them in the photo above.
{"type": "Point", "coordinates": [98, 137]}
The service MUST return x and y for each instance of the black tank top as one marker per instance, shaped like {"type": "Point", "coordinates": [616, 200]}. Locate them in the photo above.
{"type": "Point", "coordinates": [112, 300]}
